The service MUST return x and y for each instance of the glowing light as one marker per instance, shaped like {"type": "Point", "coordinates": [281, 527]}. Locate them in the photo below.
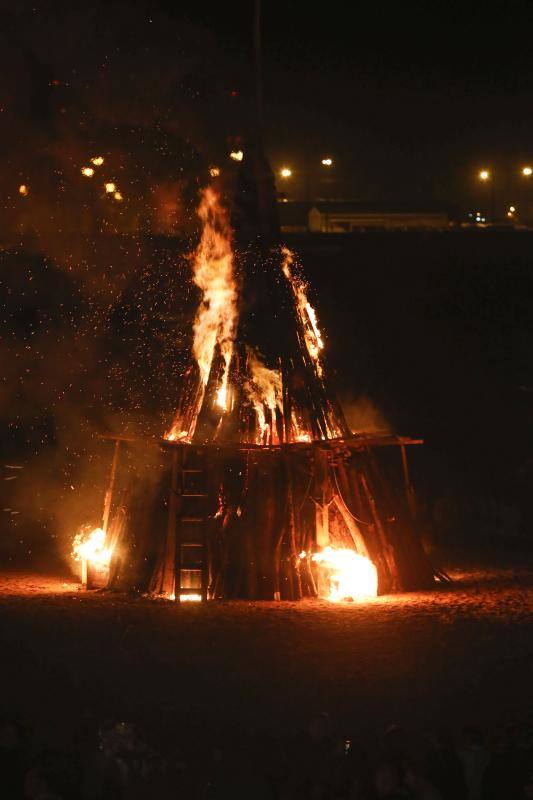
{"type": "Point", "coordinates": [24, 190]}
{"type": "Point", "coordinates": [327, 162]}
{"type": "Point", "coordinates": [216, 316]}
{"type": "Point", "coordinates": [265, 392]}
{"type": "Point", "coordinates": [512, 209]}
{"type": "Point", "coordinates": [97, 161]}
{"type": "Point", "coordinates": [222, 395]}
{"type": "Point", "coordinates": [348, 575]}
{"type": "Point", "coordinates": [90, 546]}
{"type": "Point", "coordinates": [527, 171]}
{"type": "Point", "coordinates": [110, 188]}
{"type": "Point", "coordinates": [118, 197]}
{"type": "Point", "coordinates": [484, 175]}
{"type": "Point", "coordinates": [177, 436]}
{"type": "Point", "coordinates": [237, 155]}
{"type": "Point", "coordinates": [214, 172]}
{"type": "Point", "coordinates": [87, 171]}
{"type": "Point", "coordinates": [313, 337]}
{"type": "Point", "coordinates": [186, 598]}
{"type": "Point", "coordinates": [286, 172]}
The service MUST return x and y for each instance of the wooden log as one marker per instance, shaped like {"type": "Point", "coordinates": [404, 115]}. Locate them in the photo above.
{"type": "Point", "coordinates": [353, 529]}
{"type": "Point", "coordinates": [109, 493]}
{"type": "Point", "coordinates": [171, 560]}
{"type": "Point", "coordinates": [385, 546]}
{"type": "Point", "coordinates": [409, 490]}
{"type": "Point", "coordinates": [294, 557]}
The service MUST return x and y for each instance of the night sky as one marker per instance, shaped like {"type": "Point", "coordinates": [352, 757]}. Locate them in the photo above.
{"type": "Point", "coordinates": [410, 99]}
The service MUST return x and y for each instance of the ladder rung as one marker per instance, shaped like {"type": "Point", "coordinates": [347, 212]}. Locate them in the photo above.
{"type": "Point", "coordinates": [192, 544]}
{"type": "Point", "coordinates": [190, 494]}
{"type": "Point", "coordinates": [192, 470]}
{"type": "Point", "coordinates": [193, 519]}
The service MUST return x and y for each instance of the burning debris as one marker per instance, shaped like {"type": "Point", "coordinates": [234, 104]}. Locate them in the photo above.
{"type": "Point", "coordinates": [90, 550]}
{"type": "Point", "coordinates": [258, 489]}
{"type": "Point", "coordinates": [346, 574]}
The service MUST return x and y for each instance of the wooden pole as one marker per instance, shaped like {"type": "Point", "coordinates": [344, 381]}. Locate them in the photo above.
{"type": "Point", "coordinates": [388, 554]}
{"type": "Point", "coordinates": [109, 494]}
{"type": "Point", "coordinates": [170, 574]}
{"type": "Point", "coordinates": [258, 67]}
{"type": "Point", "coordinates": [409, 491]}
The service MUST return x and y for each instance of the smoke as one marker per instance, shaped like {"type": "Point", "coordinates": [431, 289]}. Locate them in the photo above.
{"type": "Point", "coordinates": [93, 310]}
{"type": "Point", "coordinates": [363, 416]}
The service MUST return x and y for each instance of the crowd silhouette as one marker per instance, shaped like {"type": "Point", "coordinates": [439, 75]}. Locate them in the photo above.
{"type": "Point", "coordinates": [117, 762]}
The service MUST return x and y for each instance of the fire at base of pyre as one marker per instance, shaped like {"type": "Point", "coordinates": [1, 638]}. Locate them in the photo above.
{"type": "Point", "coordinates": [91, 556]}
{"type": "Point", "coordinates": [344, 575]}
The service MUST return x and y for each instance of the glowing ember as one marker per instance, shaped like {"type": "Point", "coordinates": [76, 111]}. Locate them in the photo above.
{"type": "Point", "coordinates": [299, 434]}
{"type": "Point", "coordinates": [186, 598]}
{"type": "Point", "coordinates": [87, 171]}
{"type": "Point", "coordinates": [97, 161]}
{"type": "Point", "coordinates": [177, 436]}
{"type": "Point", "coordinates": [23, 190]}
{"type": "Point", "coordinates": [90, 546]}
{"type": "Point", "coordinates": [350, 575]}
{"type": "Point", "coordinates": [216, 316]}
{"type": "Point", "coordinates": [110, 187]}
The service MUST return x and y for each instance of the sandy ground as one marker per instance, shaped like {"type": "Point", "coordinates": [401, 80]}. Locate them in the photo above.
{"type": "Point", "coordinates": [433, 660]}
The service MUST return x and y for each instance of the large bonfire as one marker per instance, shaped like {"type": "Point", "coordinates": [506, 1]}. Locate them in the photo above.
{"type": "Point", "coordinates": [264, 491]}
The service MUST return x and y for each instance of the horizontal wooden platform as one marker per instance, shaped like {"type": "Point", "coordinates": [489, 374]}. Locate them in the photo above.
{"type": "Point", "coordinates": [358, 441]}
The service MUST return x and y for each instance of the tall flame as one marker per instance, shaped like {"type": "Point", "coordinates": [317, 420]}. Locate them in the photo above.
{"type": "Point", "coordinates": [350, 576]}
{"type": "Point", "coordinates": [306, 312]}
{"type": "Point", "coordinates": [216, 316]}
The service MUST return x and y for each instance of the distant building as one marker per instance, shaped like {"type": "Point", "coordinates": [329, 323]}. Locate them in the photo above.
{"type": "Point", "coordinates": [349, 216]}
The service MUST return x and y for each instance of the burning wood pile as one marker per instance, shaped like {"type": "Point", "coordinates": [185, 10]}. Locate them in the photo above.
{"type": "Point", "coordinates": [258, 489]}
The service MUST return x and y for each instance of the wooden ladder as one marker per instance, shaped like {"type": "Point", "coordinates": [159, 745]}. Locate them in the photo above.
{"type": "Point", "coordinates": [192, 573]}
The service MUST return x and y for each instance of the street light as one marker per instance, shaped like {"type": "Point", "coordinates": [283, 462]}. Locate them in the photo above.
{"type": "Point", "coordinates": [485, 176]}
{"type": "Point", "coordinates": [327, 162]}
{"type": "Point", "coordinates": [236, 155]}
{"type": "Point", "coordinates": [527, 171]}
{"type": "Point", "coordinates": [285, 172]}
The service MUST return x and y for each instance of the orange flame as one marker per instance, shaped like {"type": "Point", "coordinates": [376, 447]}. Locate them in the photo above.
{"type": "Point", "coordinates": [350, 576]}
{"type": "Point", "coordinates": [216, 316]}
{"type": "Point", "coordinates": [90, 546]}
{"type": "Point", "coordinates": [264, 391]}
{"type": "Point", "coordinates": [306, 312]}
